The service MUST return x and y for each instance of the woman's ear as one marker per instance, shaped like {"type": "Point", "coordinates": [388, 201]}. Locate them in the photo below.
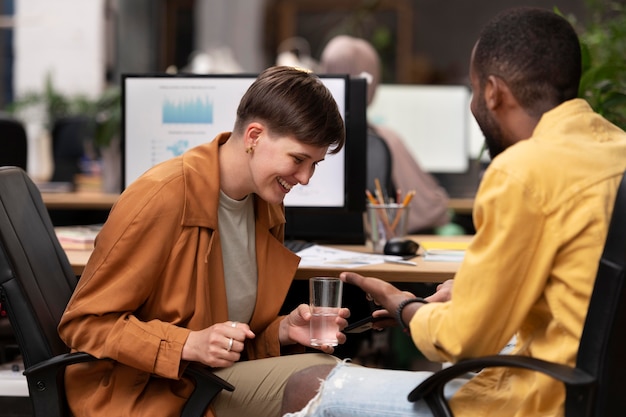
{"type": "Point", "coordinates": [253, 133]}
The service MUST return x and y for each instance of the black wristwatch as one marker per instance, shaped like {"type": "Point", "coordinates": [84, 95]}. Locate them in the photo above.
{"type": "Point", "coordinates": [400, 308]}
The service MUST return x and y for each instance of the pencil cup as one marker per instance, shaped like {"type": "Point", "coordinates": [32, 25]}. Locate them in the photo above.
{"type": "Point", "coordinates": [325, 301]}
{"type": "Point", "coordinates": [383, 222]}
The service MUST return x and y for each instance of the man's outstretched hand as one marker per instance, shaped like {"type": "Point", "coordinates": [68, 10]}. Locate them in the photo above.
{"type": "Point", "coordinates": [382, 293]}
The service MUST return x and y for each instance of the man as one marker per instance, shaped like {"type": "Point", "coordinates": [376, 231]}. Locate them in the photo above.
{"type": "Point", "coordinates": [541, 217]}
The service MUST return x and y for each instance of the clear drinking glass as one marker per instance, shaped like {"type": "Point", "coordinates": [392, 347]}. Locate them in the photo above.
{"type": "Point", "coordinates": [325, 295]}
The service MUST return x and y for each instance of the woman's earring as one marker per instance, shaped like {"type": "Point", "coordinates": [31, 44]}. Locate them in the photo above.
{"type": "Point", "coordinates": [250, 150]}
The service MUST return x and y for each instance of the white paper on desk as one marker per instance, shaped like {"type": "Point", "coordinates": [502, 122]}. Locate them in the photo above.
{"type": "Point", "coordinates": [442, 255]}
{"type": "Point", "coordinates": [324, 256]}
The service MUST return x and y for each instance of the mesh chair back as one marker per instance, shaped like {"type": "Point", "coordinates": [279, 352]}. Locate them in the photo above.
{"type": "Point", "coordinates": [379, 164]}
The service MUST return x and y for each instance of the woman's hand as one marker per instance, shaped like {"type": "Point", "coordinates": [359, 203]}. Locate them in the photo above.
{"type": "Point", "coordinates": [294, 328]}
{"type": "Point", "coordinates": [218, 346]}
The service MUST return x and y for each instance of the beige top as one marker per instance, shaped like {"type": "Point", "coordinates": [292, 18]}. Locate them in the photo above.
{"type": "Point", "coordinates": [236, 226]}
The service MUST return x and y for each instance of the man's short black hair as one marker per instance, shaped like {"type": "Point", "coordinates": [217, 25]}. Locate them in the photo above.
{"type": "Point", "coordinates": [536, 52]}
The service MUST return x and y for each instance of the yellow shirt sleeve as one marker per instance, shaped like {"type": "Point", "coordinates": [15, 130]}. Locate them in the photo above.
{"type": "Point", "coordinates": [498, 282]}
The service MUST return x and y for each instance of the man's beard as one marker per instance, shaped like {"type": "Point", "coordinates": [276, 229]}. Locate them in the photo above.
{"type": "Point", "coordinates": [494, 145]}
{"type": "Point", "coordinates": [491, 131]}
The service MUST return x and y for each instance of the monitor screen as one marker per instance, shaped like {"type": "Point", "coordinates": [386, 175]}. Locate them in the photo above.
{"type": "Point", "coordinates": [164, 115]}
{"type": "Point", "coordinates": [434, 122]}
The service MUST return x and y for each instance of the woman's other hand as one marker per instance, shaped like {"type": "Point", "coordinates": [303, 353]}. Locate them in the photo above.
{"type": "Point", "coordinates": [218, 346]}
{"type": "Point", "coordinates": [295, 328]}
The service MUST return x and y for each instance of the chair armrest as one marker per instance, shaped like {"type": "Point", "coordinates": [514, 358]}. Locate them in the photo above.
{"type": "Point", "coordinates": [208, 385]}
{"type": "Point", "coordinates": [580, 386]}
{"type": "Point", "coordinates": [46, 383]}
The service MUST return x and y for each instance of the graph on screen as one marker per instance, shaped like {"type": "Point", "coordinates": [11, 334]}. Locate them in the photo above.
{"type": "Point", "coordinates": [194, 110]}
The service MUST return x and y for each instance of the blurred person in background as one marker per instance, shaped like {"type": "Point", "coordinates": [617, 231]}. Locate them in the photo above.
{"type": "Point", "coordinates": [345, 54]}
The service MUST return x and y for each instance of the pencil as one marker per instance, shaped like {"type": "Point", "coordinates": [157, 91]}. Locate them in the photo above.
{"type": "Point", "coordinates": [380, 202]}
{"type": "Point", "coordinates": [408, 197]}
{"type": "Point", "coordinates": [405, 203]}
{"type": "Point", "coordinates": [371, 198]}
{"type": "Point", "coordinates": [379, 191]}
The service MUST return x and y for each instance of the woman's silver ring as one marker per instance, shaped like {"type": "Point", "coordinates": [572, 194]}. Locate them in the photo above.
{"type": "Point", "coordinates": [230, 344]}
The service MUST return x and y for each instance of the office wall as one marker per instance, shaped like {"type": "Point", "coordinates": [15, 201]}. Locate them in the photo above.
{"type": "Point", "coordinates": [6, 52]}
{"type": "Point", "coordinates": [63, 38]}
{"type": "Point", "coordinates": [136, 37]}
{"type": "Point", "coordinates": [441, 33]}
{"type": "Point", "coordinates": [233, 23]}
{"type": "Point", "coordinates": [445, 31]}
{"type": "Point", "coordinates": [51, 38]}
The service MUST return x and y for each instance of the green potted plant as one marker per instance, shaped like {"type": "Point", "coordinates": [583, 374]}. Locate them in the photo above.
{"type": "Point", "coordinates": [603, 43]}
{"type": "Point", "coordinates": [104, 112]}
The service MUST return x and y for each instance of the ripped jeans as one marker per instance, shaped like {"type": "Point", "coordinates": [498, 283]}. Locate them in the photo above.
{"type": "Point", "coordinates": [356, 391]}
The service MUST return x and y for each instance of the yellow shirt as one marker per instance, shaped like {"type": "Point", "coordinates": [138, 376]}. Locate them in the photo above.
{"type": "Point", "coordinates": [541, 216]}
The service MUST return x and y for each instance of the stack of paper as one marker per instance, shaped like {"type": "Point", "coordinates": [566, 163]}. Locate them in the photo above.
{"type": "Point", "coordinates": [444, 251]}
{"type": "Point", "coordinates": [324, 256]}
{"type": "Point", "coordinates": [77, 237]}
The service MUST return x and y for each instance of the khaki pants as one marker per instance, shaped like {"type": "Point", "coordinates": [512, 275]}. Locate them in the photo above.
{"type": "Point", "coordinates": [259, 384]}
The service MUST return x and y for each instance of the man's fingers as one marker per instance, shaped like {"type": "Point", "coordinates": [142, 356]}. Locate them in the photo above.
{"type": "Point", "coordinates": [351, 278]}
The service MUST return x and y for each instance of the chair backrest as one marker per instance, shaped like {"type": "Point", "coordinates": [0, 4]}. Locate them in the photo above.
{"type": "Point", "coordinates": [36, 278]}
{"type": "Point", "coordinates": [13, 142]}
{"type": "Point", "coordinates": [602, 350]}
{"type": "Point", "coordinates": [69, 136]}
{"type": "Point", "coordinates": [379, 163]}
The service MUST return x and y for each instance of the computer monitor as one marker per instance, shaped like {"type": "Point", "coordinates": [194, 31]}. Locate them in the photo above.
{"type": "Point", "coordinates": [434, 121]}
{"type": "Point", "coordinates": [163, 115]}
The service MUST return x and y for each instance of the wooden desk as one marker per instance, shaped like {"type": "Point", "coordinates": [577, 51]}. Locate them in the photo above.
{"type": "Point", "coordinates": [461, 205]}
{"type": "Point", "coordinates": [79, 201]}
{"type": "Point", "coordinates": [423, 272]}
{"type": "Point", "coordinates": [101, 201]}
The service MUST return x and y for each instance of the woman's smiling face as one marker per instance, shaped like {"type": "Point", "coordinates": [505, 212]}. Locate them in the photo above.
{"type": "Point", "coordinates": [278, 163]}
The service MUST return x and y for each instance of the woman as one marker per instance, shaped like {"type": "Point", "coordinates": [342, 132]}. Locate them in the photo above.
{"type": "Point", "coordinates": [190, 265]}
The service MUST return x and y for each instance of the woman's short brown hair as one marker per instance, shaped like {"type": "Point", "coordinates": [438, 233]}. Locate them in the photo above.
{"type": "Point", "coordinates": [293, 102]}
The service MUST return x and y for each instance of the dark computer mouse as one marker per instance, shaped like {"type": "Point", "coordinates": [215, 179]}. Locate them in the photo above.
{"type": "Point", "coordinates": [402, 247]}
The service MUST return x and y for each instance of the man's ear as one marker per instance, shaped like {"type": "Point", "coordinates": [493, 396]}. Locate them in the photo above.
{"type": "Point", "coordinates": [493, 92]}
{"type": "Point", "coordinates": [497, 93]}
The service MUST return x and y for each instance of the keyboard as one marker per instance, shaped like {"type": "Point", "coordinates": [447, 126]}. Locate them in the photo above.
{"type": "Point", "coordinates": [296, 245]}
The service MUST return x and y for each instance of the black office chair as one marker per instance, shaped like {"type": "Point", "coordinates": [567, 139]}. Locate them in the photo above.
{"type": "Point", "coordinates": [13, 142]}
{"type": "Point", "coordinates": [594, 387]}
{"type": "Point", "coordinates": [69, 136]}
{"type": "Point", "coordinates": [379, 163]}
{"type": "Point", "coordinates": [36, 282]}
